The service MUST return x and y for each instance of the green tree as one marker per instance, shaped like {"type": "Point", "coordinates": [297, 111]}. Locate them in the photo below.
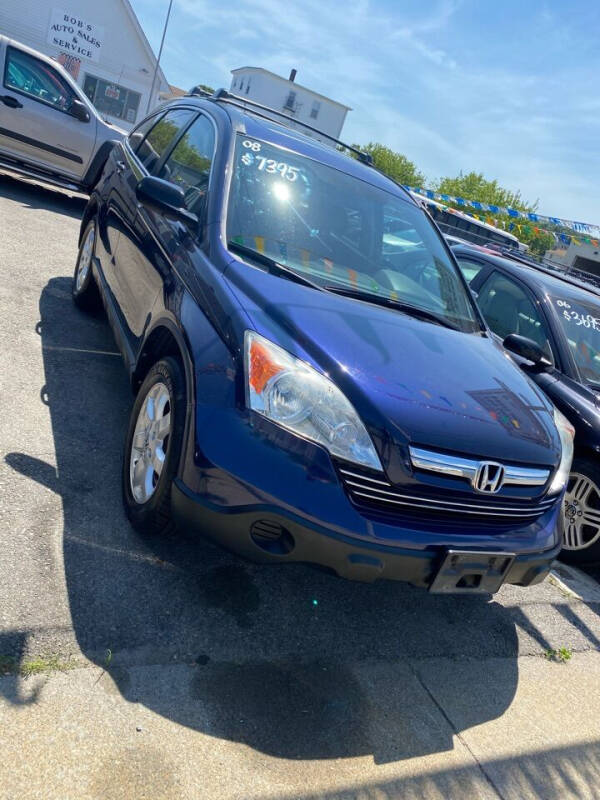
{"type": "Point", "coordinates": [161, 135]}
{"type": "Point", "coordinates": [206, 88]}
{"type": "Point", "coordinates": [538, 242]}
{"type": "Point", "coordinates": [394, 165]}
{"type": "Point", "coordinates": [474, 186]}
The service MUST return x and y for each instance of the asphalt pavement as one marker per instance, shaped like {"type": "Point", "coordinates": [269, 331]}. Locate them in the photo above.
{"type": "Point", "coordinates": [170, 668]}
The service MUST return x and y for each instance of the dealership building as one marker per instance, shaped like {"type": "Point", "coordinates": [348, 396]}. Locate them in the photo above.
{"type": "Point", "coordinates": [101, 44]}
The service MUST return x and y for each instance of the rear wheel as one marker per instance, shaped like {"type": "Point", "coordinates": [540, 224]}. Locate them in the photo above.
{"type": "Point", "coordinates": [153, 446]}
{"type": "Point", "coordinates": [581, 509]}
{"type": "Point", "coordinates": [85, 291]}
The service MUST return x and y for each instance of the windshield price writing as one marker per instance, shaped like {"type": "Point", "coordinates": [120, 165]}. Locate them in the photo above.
{"type": "Point", "coordinates": [587, 320]}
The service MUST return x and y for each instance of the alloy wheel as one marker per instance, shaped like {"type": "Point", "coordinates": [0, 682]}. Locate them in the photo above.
{"type": "Point", "coordinates": [581, 508]}
{"type": "Point", "coordinates": [149, 443]}
{"type": "Point", "coordinates": [85, 259]}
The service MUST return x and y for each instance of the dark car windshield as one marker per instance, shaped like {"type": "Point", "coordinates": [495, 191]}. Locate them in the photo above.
{"type": "Point", "coordinates": [341, 231]}
{"type": "Point", "coordinates": [580, 318]}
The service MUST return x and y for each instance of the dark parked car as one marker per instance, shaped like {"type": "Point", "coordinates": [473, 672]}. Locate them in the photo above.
{"type": "Point", "coordinates": [314, 382]}
{"type": "Point", "coordinates": [561, 319]}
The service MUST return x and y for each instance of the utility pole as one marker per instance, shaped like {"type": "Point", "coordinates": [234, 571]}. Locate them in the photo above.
{"type": "Point", "coordinates": [162, 41]}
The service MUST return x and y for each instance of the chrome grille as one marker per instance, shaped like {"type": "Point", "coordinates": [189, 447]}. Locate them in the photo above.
{"type": "Point", "coordinates": [467, 468]}
{"type": "Point", "coordinates": [372, 492]}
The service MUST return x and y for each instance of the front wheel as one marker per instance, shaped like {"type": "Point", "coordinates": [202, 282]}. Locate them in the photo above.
{"type": "Point", "coordinates": [153, 446]}
{"type": "Point", "coordinates": [581, 510]}
{"type": "Point", "coordinates": [85, 291]}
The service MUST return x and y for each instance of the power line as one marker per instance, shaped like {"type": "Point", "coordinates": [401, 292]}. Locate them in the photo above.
{"type": "Point", "coordinates": [162, 41]}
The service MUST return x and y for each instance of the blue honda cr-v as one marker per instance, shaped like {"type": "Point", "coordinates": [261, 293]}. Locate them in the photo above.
{"type": "Point", "coordinates": [314, 382]}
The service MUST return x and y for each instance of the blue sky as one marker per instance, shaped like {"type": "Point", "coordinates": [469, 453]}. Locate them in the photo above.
{"type": "Point", "coordinates": [506, 88]}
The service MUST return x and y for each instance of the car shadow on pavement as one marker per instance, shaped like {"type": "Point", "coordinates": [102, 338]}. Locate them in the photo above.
{"type": "Point", "coordinates": [288, 659]}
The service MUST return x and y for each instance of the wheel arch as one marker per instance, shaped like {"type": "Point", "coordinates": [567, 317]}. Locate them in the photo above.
{"type": "Point", "coordinates": [89, 213]}
{"type": "Point", "coordinates": [584, 449]}
{"type": "Point", "coordinates": [163, 339]}
{"type": "Point", "coordinates": [166, 339]}
{"type": "Point", "coordinates": [94, 170]}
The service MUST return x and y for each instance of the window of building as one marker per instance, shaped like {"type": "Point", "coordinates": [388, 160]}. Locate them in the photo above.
{"type": "Point", "coordinates": [161, 137]}
{"type": "Point", "coordinates": [28, 75]}
{"type": "Point", "coordinates": [234, 83]}
{"type": "Point", "coordinates": [112, 99]}
{"type": "Point", "coordinates": [314, 112]}
{"type": "Point", "coordinates": [587, 265]}
{"type": "Point", "coordinates": [290, 103]}
{"type": "Point", "coordinates": [242, 85]}
{"type": "Point", "coordinates": [248, 86]}
{"type": "Point", "coordinates": [189, 164]}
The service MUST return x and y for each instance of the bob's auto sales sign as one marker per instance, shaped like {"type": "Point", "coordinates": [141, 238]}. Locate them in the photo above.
{"type": "Point", "coordinates": [74, 35]}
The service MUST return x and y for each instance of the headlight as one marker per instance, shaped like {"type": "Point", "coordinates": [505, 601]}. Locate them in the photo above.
{"type": "Point", "coordinates": [567, 434]}
{"type": "Point", "coordinates": [293, 394]}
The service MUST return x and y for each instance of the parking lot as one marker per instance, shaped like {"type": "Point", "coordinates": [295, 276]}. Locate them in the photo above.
{"type": "Point", "coordinates": [200, 675]}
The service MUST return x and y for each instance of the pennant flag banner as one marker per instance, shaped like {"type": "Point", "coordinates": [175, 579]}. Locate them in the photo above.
{"type": "Point", "coordinates": [580, 227]}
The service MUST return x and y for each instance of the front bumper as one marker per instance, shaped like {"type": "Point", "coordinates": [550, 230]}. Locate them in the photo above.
{"type": "Point", "coordinates": [266, 533]}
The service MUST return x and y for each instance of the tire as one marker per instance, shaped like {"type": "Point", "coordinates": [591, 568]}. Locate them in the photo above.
{"type": "Point", "coordinates": [85, 292]}
{"type": "Point", "coordinates": [147, 491]}
{"type": "Point", "coordinates": [581, 510]}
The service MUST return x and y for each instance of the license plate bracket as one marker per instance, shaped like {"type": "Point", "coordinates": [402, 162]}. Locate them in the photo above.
{"type": "Point", "coordinates": [471, 572]}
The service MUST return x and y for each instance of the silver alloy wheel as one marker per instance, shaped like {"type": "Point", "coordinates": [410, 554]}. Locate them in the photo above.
{"type": "Point", "coordinates": [149, 443]}
{"type": "Point", "coordinates": [84, 261]}
{"type": "Point", "coordinates": [581, 508]}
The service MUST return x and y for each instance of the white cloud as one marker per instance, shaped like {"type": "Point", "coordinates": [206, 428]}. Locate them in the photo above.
{"type": "Point", "coordinates": [421, 81]}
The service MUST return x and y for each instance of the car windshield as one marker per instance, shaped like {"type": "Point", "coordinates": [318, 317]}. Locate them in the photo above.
{"type": "Point", "coordinates": [342, 232]}
{"type": "Point", "coordinates": [580, 319]}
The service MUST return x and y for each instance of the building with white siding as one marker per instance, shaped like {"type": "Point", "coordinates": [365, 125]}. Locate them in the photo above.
{"type": "Point", "coordinates": [297, 102]}
{"type": "Point", "coordinates": [101, 44]}
{"type": "Point", "coordinates": [578, 254]}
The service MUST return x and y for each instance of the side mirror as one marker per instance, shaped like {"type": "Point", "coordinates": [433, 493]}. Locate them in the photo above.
{"type": "Point", "coordinates": [165, 198]}
{"type": "Point", "coordinates": [79, 110]}
{"type": "Point", "coordinates": [529, 350]}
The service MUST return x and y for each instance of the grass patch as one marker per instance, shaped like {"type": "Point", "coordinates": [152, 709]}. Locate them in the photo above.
{"type": "Point", "coordinates": [562, 655]}
{"type": "Point", "coordinates": [35, 666]}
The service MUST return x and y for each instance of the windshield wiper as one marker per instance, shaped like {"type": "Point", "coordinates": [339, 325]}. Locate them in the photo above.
{"type": "Point", "coordinates": [388, 302]}
{"type": "Point", "coordinates": [274, 267]}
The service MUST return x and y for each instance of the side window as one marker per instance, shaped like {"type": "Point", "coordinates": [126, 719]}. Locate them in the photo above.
{"type": "Point", "coordinates": [137, 134]}
{"type": "Point", "coordinates": [507, 308]}
{"type": "Point", "coordinates": [36, 79]}
{"type": "Point", "coordinates": [189, 164]}
{"type": "Point", "coordinates": [470, 269]}
{"type": "Point", "coordinates": [161, 136]}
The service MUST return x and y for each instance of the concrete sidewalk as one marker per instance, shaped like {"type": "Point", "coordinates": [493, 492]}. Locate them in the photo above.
{"type": "Point", "coordinates": [83, 734]}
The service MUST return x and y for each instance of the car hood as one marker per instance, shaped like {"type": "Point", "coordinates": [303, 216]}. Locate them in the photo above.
{"type": "Point", "coordinates": [411, 381]}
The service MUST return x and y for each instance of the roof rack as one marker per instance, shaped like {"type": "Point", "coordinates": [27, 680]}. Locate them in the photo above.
{"type": "Point", "coordinates": [198, 91]}
{"type": "Point", "coordinates": [223, 95]}
{"type": "Point", "coordinates": [574, 277]}
{"type": "Point", "coordinates": [583, 280]}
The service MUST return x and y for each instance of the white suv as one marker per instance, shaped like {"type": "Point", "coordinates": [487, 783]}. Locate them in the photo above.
{"type": "Point", "coordinates": [48, 128]}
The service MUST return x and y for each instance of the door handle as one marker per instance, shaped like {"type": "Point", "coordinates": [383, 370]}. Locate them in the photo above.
{"type": "Point", "coordinates": [10, 101]}
{"type": "Point", "coordinates": [121, 166]}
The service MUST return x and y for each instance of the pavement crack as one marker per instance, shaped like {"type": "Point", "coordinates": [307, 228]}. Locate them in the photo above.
{"type": "Point", "coordinates": [453, 727]}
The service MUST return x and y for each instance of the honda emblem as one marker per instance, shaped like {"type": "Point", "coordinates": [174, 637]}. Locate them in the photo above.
{"type": "Point", "coordinates": [489, 477]}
